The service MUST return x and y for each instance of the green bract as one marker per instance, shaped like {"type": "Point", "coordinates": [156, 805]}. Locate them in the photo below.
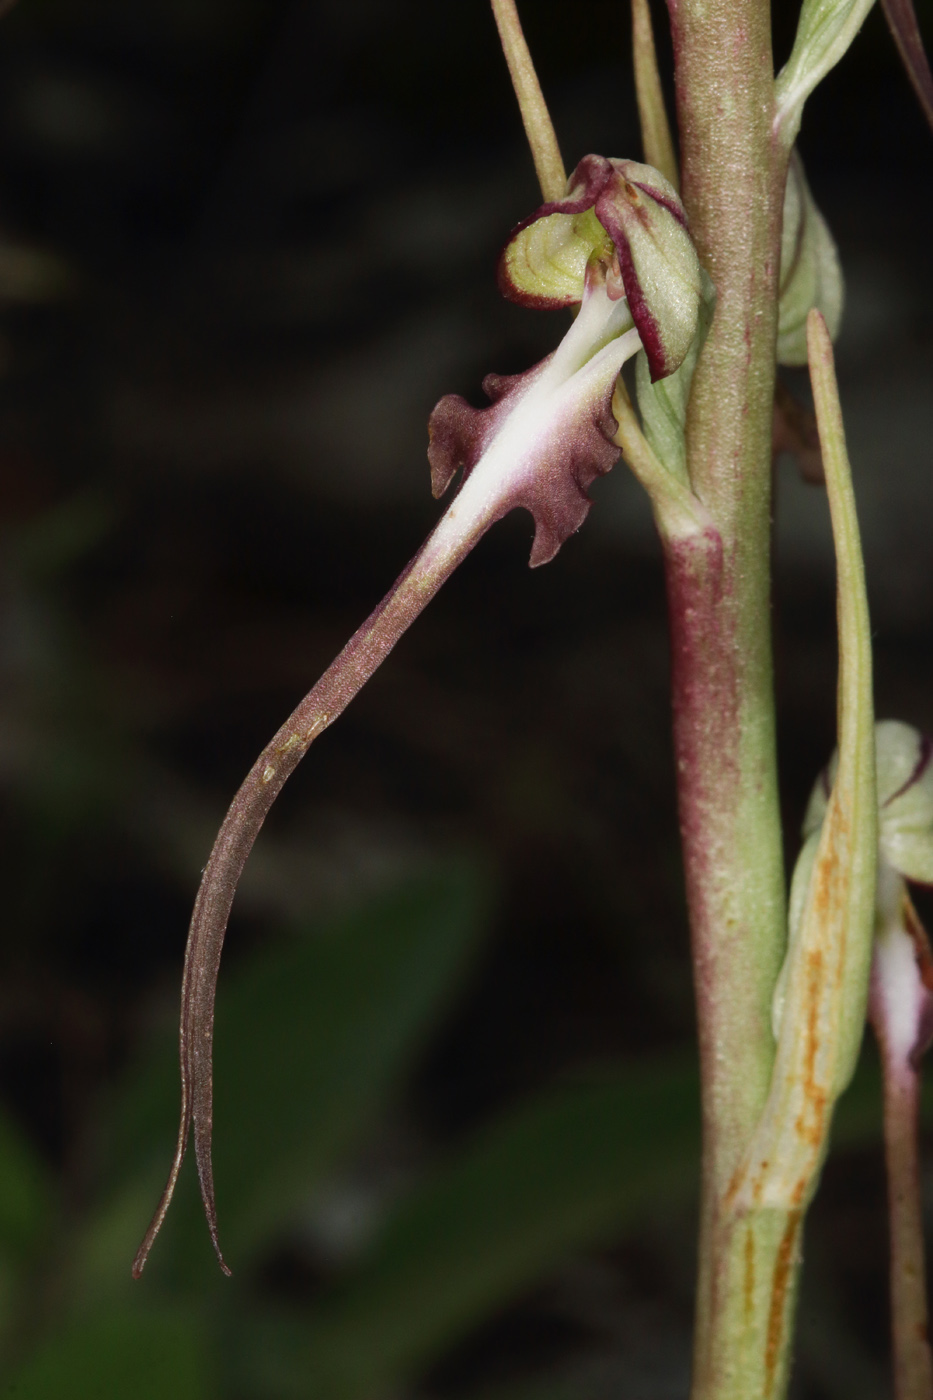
{"type": "Point", "coordinates": [663, 402]}
{"type": "Point", "coordinates": [825, 30]}
{"type": "Point", "coordinates": [810, 271]}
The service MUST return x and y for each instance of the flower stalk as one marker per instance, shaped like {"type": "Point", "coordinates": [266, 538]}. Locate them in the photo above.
{"type": "Point", "coordinates": [536, 119]}
{"type": "Point", "coordinates": [656, 135]}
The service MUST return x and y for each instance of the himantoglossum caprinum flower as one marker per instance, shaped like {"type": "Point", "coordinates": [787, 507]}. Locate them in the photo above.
{"type": "Point", "coordinates": [617, 246]}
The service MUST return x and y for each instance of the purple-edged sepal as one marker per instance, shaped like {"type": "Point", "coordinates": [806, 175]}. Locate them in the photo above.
{"type": "Point", "coordinates": [627, 217]}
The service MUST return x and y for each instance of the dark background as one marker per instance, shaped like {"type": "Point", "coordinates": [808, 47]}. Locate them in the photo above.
{"type": "Point", "coordinates": [245, 248]}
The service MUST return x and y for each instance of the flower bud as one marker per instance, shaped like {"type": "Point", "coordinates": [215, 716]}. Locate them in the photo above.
{"type": "Point", "coordinates": [628, 217]}
{"type": "Point", "coordinates": [905, 799]}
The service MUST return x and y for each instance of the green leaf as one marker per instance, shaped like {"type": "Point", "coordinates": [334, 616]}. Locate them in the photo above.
{"type": "Point", "coordinates": [570, 1169]}
{"type": "Point", "coordinates": [311, 1036]}
{"type": "Point", "coordinates": [663, 404]}
{"type": "Point", "coordinates": [27, 1199]}
{"type": "Point", "coordinates": [825, 30]}
{"type": "Point", "coordinates": [158, 1355]}
{"type": "Point", "coordinates": [822, 990]}
{"type": "Point", "coordinates": [575, 1168]}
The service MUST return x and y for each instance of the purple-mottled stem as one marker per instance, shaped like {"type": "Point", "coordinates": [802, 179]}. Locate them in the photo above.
{"type": "Point", "coordinates": [732, 184]}
{"type": "Point", "coordinates": [901, 1012]}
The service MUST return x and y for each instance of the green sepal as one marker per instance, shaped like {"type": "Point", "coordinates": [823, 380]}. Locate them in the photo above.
{"type": "Point", "coordinates": [663, 403]}
{"type": "Point", "coordinates": [811, 275]}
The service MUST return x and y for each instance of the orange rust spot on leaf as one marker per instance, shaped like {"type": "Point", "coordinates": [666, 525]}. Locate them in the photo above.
{"type": "Point", "coordinates": [733, 1187]}
{"type": "Point", "coordinates": [798, 1192]}
{"type": "Point", "coordinates": [809, 1124]}
{"type": "Point", "coordinates": [778, 1310]}
{"type": "Point", "coordinates": [749, 1280]}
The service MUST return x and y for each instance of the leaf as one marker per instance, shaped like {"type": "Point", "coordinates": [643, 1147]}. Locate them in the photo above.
{"type": "Point", "coordinates": [29, 1212]}
{"type": "Point", "coordinates": [822, 991]}
{"type": "Point", "coordinates": [579, 1196]}
{"type": "Point", "coordinates": [825, 30]}
{"type": "Point", "coordinates": [310, 1044]}
{"type": "Point", "coordinates": [27, 1199]}
{"type": "Point", "coordinates": [663, 403]}
{"type": "Point", "coordinates": [149, 1356]}
{"type": "Point", "coordinates": [311, 1037]}
{"type": "Point", "coordinates": [575, 1167]}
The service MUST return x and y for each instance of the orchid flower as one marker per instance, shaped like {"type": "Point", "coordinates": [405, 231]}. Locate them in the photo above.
{"type": "Point", "coordinates": [618, 246]}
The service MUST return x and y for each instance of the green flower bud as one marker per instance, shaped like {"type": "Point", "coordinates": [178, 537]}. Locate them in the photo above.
{"type": "Point", "coordinates": [905, 799]}
{"type": "Point", "coordinates": [629, 218]}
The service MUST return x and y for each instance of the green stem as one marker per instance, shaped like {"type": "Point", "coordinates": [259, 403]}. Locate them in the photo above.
{"type": "Point", "coordinates": [539, 129]}
{"type": "Point", "coordinates": [656, 139]}
{"type": "Point", "coordinates": [733, 178]}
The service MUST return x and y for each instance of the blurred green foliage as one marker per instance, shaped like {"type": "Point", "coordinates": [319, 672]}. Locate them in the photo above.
{"type": "Point", "coordinates": [315, 1036]}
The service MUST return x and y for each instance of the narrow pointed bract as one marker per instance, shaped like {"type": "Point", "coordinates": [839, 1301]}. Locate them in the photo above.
{"type": "Point", "coordinates": [820, 1000]}
{"type": "Point", "coordinates": [825, 30]}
